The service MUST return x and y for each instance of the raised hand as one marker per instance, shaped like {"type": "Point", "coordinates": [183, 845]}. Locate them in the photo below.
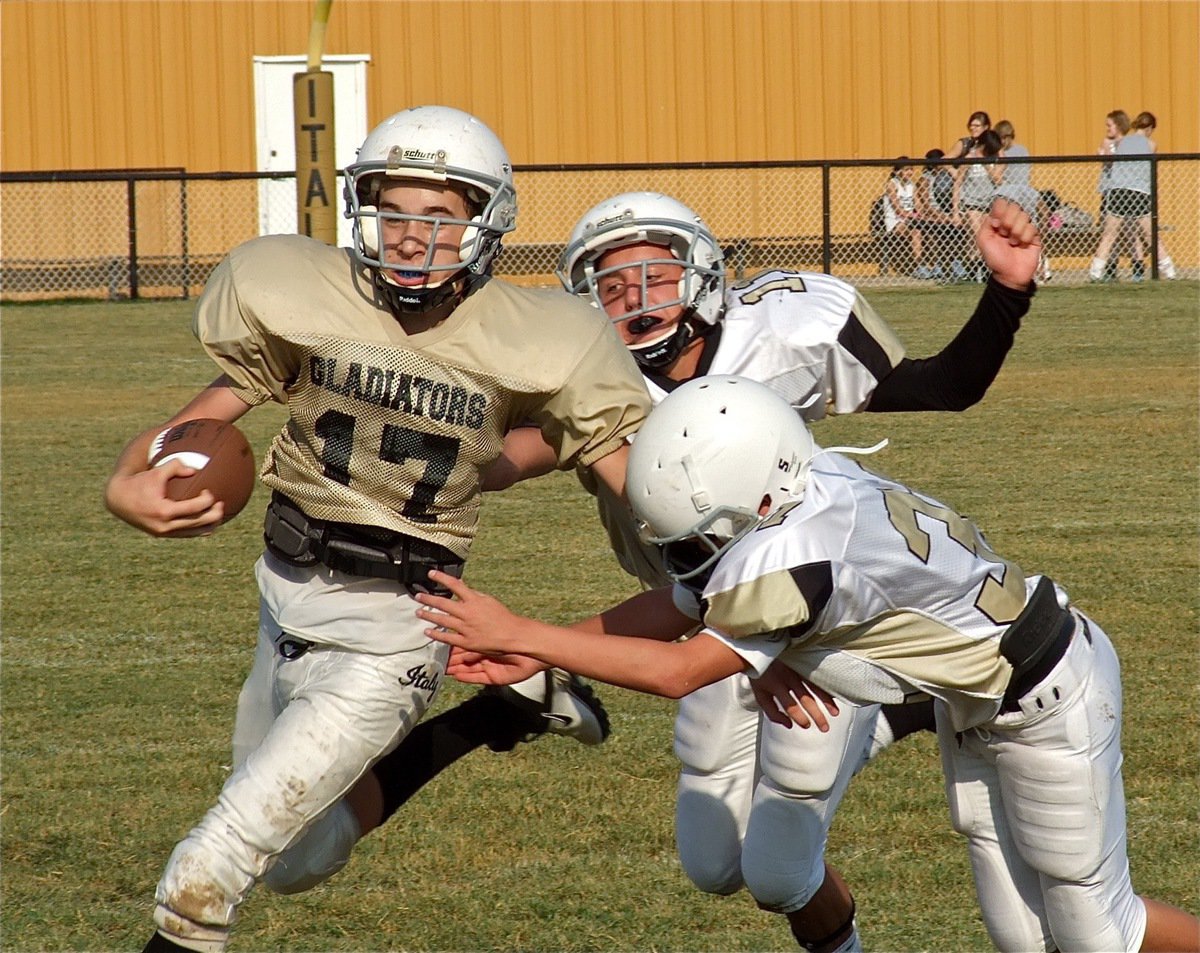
{"type": "Point", "coordinates": [1010, 244]}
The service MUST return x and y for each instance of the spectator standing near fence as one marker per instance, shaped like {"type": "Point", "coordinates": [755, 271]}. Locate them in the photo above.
{"type": "Point", "coordinates": [978, 123]}
{"type": "Point", "coordinates": [1129, 199]}
{"type": "Point", "coordinates": [974, 188]}
{"type": "Point", "coordinates": [1116, 127]}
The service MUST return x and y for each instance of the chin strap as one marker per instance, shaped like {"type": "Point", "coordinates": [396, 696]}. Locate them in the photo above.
{"type": "Point", "coordinates": [663, 353]}
{"type": "Point", "coordinates": [409, 301]}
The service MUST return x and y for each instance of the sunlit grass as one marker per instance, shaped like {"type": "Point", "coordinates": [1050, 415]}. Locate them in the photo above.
{"type": "Point", "coordinates": [123, 656]}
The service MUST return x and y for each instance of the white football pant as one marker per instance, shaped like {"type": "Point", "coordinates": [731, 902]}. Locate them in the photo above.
{"type": "Point", "coordinates": [1038, 794]}
{"type": "Point", "coordinates": [307, 729]}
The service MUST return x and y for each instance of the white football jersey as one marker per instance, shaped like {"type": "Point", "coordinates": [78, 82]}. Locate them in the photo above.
{"type": "Point", "coordinates": [810, 337]}
{"type": "Point", "coordinates": [804, 335]}
{"type": "Point", "coordinates": [875, 591]}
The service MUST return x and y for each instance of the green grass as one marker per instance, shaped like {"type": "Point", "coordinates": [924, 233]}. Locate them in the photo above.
{"type": "Point", "coordinates": [122, 657]}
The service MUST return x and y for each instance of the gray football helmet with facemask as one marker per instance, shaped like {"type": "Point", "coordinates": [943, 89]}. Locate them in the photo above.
{"type": "Point", "coordinates": [702, 463]}
{"type": "Point", "coordinates": [635, 217]}
{"type": "Point", "coordinates": [439, 145]}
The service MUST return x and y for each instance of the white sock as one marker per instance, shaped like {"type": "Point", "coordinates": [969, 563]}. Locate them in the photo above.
{"type": "Point", "coordinates": [533, 688]}
{"type": "Point", "coordinates": [1097, 269]}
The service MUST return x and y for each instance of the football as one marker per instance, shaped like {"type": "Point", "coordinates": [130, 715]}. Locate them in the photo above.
{"type": "Point", "coordinates": [221, 456]}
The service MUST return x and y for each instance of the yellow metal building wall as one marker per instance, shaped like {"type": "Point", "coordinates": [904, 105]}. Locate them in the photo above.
{"type": "Point", "coordinates": [101, 84]}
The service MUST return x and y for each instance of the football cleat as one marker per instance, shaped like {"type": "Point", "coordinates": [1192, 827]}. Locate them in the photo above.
{"type": "Point", "coordinates": [559, 703]}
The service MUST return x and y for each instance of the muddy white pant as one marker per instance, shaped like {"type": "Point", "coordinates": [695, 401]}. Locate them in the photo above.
{"type": "Point", "coordinates": [311, 720]}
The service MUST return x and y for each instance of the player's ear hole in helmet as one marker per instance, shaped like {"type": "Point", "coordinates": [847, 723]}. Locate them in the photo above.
{"type": "Point", "coordinates": [442, 147]}
{"type": "Point", "coordinates": [687, 242]}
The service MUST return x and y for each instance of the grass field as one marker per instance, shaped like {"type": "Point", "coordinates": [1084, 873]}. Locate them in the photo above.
{"type": "Point", "coordinates": [122, 657]}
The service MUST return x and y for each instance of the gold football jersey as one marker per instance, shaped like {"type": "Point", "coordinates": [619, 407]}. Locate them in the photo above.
{"type": "Point", "coordinates": [389, 429]}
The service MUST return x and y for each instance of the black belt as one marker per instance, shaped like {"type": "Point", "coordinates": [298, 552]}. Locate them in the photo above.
{"type": "Point", "coordinates": [1035, 642]}
{"type": "Point", "coordinates": [298, 539]}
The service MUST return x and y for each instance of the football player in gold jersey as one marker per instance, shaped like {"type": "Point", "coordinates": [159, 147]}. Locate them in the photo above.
{"type": "Point", "coordinates": [402, 364]}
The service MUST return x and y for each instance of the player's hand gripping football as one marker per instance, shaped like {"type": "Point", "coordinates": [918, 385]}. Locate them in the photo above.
{"type": "Point", "coordinates": [139, 497]}
{"type": "Point", "coordinates": [138, 493]}
{"type": "Point", "coordinates": [1010, 244]}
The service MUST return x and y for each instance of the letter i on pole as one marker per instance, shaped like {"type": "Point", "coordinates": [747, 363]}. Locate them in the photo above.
{"type": "Point", "coordinates": [317, 201]}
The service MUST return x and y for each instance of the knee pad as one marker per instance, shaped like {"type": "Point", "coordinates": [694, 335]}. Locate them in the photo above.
{"type": "Point", "coordinates": [783, 856]}
{"type": "Point", "coordinates": [711, 813]}
{"type": "Point", "coordinates": [717, 725]}
{"type": "Point", "coordinates": [316, 856]}
{"type": "Point", "coordinates": [708, 838]}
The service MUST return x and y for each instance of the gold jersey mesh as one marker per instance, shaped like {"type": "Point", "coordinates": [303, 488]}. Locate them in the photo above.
{"type": "Point", "coordinates": [386, 437]}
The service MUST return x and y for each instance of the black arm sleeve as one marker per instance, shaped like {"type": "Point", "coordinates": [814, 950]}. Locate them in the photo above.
{"type": "Point", "coordinates": [961, 372]}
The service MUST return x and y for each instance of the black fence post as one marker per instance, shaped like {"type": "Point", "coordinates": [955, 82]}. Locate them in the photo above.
{"type": "Point", "coordinates": [186, 277]}
{"type": "Point", "coordinates": [1153, 249]}
{"type": "Point", "coordinates": [131, 205]}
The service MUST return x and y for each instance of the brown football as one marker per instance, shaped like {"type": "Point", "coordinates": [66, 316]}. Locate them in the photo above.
{"type": "Point", "coordinates": [221, 456]}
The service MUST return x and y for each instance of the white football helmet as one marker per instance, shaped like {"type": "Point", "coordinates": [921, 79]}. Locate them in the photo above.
{"type": "Point", "coordinates": [702, 463]}
{"type": "Point", "coordinates": [441, 145]}
{"type": "Point", "coordinates": [634, 217]}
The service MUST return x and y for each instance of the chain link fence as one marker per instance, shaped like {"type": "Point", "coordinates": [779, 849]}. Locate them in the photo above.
{"type": "Point", "coordinates": [158, 233]}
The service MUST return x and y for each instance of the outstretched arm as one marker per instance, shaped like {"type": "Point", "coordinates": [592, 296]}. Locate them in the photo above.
{"type": "Point", "coordinates": [650, 614]}
{"type": "Point", "coordinates": [959, 375]}
{"type": "Point", "coordinates": [479, 623]}
{"type": "Point", "coordinates": [643, 657]}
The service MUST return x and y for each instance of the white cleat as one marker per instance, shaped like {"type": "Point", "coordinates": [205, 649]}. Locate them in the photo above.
{"type": "Point", "coordinates": [560, 703]}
